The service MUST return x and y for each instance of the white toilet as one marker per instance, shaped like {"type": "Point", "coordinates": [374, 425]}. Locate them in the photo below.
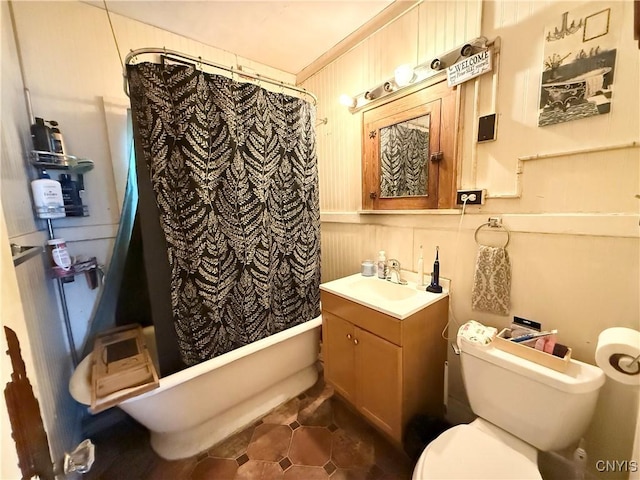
{"type": "Point", "coordinates": [522, 407]}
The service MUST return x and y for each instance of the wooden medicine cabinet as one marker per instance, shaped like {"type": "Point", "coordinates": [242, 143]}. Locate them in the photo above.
{"type": "Point", "coordinates": [409, 150]}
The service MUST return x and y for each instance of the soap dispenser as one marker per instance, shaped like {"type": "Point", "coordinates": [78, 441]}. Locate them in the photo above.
{"type": "Point", "coordinates": [382, 265]}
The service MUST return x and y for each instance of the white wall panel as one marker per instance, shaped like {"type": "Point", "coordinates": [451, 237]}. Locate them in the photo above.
{"type": "Point", "coordinates": [15, 138]}
{"type": "Point", "coordinates": [347, 245]}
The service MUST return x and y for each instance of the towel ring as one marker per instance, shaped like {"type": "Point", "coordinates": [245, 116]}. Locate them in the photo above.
{"type": "Point", "coordinates": [493, 223]}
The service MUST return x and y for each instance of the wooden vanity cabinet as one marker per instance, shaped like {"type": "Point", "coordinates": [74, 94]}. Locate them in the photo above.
{"type": "Point", "coordinates": [388, 369]}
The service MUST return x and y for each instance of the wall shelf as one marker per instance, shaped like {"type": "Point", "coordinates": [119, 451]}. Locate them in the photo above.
{"type": "Point", "coordinates": [59, 161]}
{"type": "Point", "coordinates": [75, 268]}
{"type": "Point", "coordinates": [77, 166]}
{"type": "Point", "coordinates": [69, 164]}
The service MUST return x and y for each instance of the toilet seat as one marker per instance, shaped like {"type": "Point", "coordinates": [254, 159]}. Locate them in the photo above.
{"type": "Point", "coordinates": [477, 451]}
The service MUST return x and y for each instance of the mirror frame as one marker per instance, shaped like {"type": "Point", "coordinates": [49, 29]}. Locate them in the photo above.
{"type": "Point", "coordinates": [443, 104]}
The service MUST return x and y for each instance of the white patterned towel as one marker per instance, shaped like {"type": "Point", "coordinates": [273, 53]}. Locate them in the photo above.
{"type": "Point", "coordinates": [492, 281]}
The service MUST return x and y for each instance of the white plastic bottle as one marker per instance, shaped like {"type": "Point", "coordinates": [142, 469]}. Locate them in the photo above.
{"type": "Point", "coordinates": [382, 265]}
{"type": "Point", "coordinates": [47, 197]}
{"type": "Point", "coordinates": [421, 268]}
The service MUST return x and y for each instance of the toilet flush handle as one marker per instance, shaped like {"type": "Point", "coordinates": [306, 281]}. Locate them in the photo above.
{"type": "Point", "coordinates": [455, 348]}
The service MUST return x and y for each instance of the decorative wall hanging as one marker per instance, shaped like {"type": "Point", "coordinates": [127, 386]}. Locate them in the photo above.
{"type": "Point", "coordinates": [579, 64]}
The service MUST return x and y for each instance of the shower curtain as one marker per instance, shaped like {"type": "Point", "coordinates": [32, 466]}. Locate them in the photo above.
{"type": "Point", "coordinates": [404, 154]}
{"type": "Point", "coordinates": [233, 168]}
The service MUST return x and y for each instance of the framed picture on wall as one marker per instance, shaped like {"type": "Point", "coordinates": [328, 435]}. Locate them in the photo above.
{"type": "Point", "coordinates": [578, 65]}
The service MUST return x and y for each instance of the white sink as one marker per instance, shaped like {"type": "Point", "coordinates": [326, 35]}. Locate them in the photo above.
{"type": "Point", "coordinates": [399, 301]}
{"type": "Point", "coordinates": [363, 286]}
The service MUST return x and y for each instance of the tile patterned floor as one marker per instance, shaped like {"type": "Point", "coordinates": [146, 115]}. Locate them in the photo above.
{"type": "Point", "coordinates": [313, 436]}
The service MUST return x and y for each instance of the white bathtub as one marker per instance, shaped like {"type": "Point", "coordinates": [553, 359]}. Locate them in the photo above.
{"type": "Point", "coordinates": [197, 407]}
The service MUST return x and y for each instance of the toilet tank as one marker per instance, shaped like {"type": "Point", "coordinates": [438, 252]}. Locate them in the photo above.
{"type": "Point", "coordinates": [547, 409]}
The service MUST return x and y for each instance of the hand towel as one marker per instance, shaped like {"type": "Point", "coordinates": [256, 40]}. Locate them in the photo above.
{"type": "Point", "coordinates": [492, 281]}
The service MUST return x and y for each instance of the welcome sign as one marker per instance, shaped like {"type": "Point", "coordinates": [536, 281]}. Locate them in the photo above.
{"type": "Point", "coordinates": [469, 68]}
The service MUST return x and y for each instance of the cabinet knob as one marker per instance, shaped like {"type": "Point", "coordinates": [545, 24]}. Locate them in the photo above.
{"type": "Point", "coordinates": [349, 336]}
{"type": "Point", "coordinates": [355, 341]}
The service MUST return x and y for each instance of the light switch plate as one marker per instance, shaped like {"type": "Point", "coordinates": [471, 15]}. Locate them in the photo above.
{"type": "Point", "coordinates": [487, 128]}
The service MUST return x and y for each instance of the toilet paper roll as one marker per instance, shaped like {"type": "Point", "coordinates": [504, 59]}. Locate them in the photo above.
{"type": "Point", "coordinates": [617, 354]}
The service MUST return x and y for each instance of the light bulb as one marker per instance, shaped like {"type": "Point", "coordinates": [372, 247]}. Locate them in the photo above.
{"type": "Point", "coordinates": [347, 100]}
{"type": "Point", "coordinates": [404, 75]}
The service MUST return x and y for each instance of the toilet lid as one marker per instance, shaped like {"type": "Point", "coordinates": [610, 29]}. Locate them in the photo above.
{"type": "Point", "coordinates": [466, 452]}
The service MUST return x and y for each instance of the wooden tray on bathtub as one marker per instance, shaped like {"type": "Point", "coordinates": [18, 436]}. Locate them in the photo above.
{"type": "Point", "coordinates": [121, 367]}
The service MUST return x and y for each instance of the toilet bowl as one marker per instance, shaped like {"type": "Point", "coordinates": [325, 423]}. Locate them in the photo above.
{"type": "Point", "coordinates": [478, 450]}
{"type": "Point", "coordinates": [522, 408]}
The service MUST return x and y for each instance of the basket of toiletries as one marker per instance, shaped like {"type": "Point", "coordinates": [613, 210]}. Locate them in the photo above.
{"type": "Point", "coordinates": [538, 347]}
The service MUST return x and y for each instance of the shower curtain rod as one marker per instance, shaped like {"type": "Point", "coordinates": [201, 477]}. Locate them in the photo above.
{"type": "Point", "coordinates": [199, 60]}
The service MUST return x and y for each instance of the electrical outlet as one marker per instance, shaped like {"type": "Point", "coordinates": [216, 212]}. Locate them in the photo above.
{"type": "Point", "coordinates": [472, 197]}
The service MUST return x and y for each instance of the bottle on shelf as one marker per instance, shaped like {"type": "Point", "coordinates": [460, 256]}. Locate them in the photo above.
{"type": "Point", "coordinates": [41, 136]}
{"type": "Point", "coordinates": [57, 142]}
{"type": "Point", "coordinates": [72, 196]}
{"type": "Point", "coordinates": [420, 268]}
{"type": "Point", "coordinates": [47, 197]}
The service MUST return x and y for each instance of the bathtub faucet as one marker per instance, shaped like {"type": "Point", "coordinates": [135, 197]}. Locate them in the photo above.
{"type": "Point", "coordinates": [394, 272]}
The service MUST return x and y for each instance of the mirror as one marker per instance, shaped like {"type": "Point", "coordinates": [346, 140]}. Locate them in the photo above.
{"type": "Point", "coordinates": [408, 159]}
{"type": "Point", "coordinates": [404, 156]}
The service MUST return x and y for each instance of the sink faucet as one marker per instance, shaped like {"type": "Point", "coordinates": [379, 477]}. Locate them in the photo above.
{"type": "Point", "coordinates": [394, 272]}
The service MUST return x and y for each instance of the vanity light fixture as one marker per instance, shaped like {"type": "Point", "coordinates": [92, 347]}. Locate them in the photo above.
{"type": "Point", "coordinates": [348, 100]}
{"type": "Point", "coordinates": [405, 75]}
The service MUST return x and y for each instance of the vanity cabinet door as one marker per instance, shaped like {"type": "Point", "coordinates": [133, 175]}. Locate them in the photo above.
{"type": "Point", "coordinates": [339, 361]}
{"type": "Point", "coordinates": [379, 381]}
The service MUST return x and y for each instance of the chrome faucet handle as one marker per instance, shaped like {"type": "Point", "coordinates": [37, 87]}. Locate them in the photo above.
{"type": "Point", "coordinates": [394, 267]}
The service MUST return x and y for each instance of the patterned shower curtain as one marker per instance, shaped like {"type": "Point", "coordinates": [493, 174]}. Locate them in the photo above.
{"type": "Point", "coordinates": [404, 155]}
{"type": "Point", "coordinates": [234, 172]}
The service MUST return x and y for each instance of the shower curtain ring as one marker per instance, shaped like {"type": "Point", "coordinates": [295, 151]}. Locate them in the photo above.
{"type": "Point", "coordinates": [200, 63]}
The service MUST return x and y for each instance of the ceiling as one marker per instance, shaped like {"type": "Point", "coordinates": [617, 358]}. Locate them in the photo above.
{"type": "Point", "coordinates": [287, 35]}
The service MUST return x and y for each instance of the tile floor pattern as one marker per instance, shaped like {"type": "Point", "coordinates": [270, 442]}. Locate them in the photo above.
{"type": "Point", "coordinates": [313, 436]}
